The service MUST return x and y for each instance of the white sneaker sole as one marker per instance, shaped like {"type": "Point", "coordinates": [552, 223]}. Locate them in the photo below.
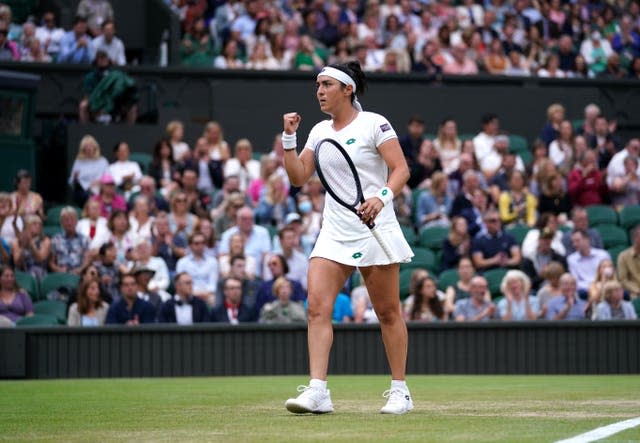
{"type": "Point", "coordinates": [293, 406]}
{"type": "Point", "coordinates": [409, 408]}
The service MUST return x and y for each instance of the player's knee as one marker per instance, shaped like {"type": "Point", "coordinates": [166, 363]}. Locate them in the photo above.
{"type": "Point", "coordinates": [388, 314]}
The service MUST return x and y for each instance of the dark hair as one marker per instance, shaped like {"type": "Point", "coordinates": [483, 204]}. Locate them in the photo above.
{"type": "Point", "coordinates": [415, 118]}
{"type": "Point", "coordinates": [488, 118]}
{"type": "Point", "coordinates": [543, 220]}
{"type": "Point", "coordinates": [158, 147]}
{"type": "Point", "coordinates": [78, 19]}
{"type": "Point", "coordinates": [107, 22]}
{"type": "Point", "coordinates": [582, 232]}
{"type": "Point", "coordinates": [283, 263]}
{"type": "Point", "coordinates": [435, 305]}
{"type": "Point", "coordinates": [22, 173]}
{"type": "Point", "coordinates": [82, 300]}
{"type": "Point", "coordinates": [353, 70]}
{"type": "Point", "coordinates": [235, 258]}
{"type": "Point", "coordinates": [117, 146]}
{"type": "Point", "coordinates": [103, 249]}
{"type": "Point", "coordinates": [190, 168]}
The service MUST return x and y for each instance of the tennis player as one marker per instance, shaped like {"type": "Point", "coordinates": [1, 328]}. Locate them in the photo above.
{"type": "Point", "coordinates": [345, 242]}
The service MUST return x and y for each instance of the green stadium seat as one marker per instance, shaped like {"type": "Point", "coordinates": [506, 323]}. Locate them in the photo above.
{"type": "Point", "coordinates": [29, 283]}
{"type": "Point", "coordinates": [601, 215]}
{"type": "Point", "coordinates": [409, 234]}
{"type": "Point", "coordinates": [577, 123]}
{"type": "Point", "coordinates": [423, 258]}
{"type": "Point", "coordinates": [53, 308]}
{"type": "Point", "coordinates": [405, 281]}
{"type": "Point", "coordinates": [518, 232]}
{"type": "Point", "coordinates": [518, 143]}
{"type": "Point", "coordinates": [629, 217]}
{"type": "Point", "coordinates": [447, 278]}
{"type": "Point", "coordinates": [38, 320]}
{"type": "Point", "coordinates": [50, 231]}
{"type": "Point", "coordinates": [464, 137]}
{"type": "Point", "coordinates": [494, 278]}
{"type": "Point", "coordinates": [433, 237]}
{"type": "Point", "coordinates": [143, 159]}
{"type": "Point", "coordinates": [53, 214]}
{"type": "Point", "coordinates": [612, 235]}
{"type": "Point", "coordinates": [526, 157]}
{"type": "Point", "coordinates": [615, 252]}
{"type": "Point", "coordinates": [54, 280]}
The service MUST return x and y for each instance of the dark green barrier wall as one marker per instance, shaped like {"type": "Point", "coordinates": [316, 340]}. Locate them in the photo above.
{"type": "Point", "coordinates": [158, 350]}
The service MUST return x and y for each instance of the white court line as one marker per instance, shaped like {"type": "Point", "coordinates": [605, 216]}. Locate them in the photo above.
{"type": "Point", "coordinates": [603, 432]}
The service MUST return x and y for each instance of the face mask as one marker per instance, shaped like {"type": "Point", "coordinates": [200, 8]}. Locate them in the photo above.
{"type": "Point", "coordinates": [607, 272]}
{"type": "Point", "coordinates": [305, 207]}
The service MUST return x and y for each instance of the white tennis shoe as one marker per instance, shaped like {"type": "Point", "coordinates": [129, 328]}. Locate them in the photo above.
{"type": "Point", "coordinates": [311, 400]}
{"type": "Point", "coordinates": [398, 402]}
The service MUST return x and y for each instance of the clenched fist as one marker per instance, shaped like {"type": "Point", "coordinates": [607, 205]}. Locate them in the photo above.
{"type": "Point", "coordinates": [291, 122]}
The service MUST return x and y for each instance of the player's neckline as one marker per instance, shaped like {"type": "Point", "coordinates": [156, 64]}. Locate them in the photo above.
{"type": "Point", "coordinates": [353, 118]}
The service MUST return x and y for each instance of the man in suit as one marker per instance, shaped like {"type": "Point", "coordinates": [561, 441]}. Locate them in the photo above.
{"type": "Point", "coordinates": [183, 308]}
{"type": "Point", "coordinates": [233, 310]}
{"type": "Point", "coordinates": [130, 309]}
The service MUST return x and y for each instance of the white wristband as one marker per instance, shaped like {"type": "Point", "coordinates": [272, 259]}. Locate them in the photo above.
{"type": "Point", "coordinates": [289, 141]}
{"type": "Point", "coordinates": [386, 195]}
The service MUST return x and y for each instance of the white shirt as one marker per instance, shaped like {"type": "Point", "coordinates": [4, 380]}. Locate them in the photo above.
{"type": "Point", "coordinates": [530, 243]}
{"type": "Point", "coordinates": [119, 170]}
{"type": "Point", "coordinates": [584, 267]}
{"type": "Point", "coordinates": [483, 145]}
{"type": "Point", "coordinates": [615, 168]}
{"type": "Point", "coordinates": [184, 314]}
{"type": "Point", "coordinates": [558, 152]}
{"type": "Point", "coordinates": [361, 139]}
{"type": "Point", "coordinates": [52, 36]}
{"type": "Point", "coordinates": [101, 236]}
{"type": "Point", "coordinates": [298, 266]}
{"type": "Point", "coordinates": [179, 149]}
{"type": "Point", "coordinates": [246, 174]}
{"type": "Point", "coordinates": [115, 49]}
{"type": "Point", "coordinates": [203, 271]}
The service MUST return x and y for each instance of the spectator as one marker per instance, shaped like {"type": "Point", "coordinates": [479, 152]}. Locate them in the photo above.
{"type": "Point", "coordinates": [517, 304]}
{"type": "Point", "coordinates": [580, 221]}
{"type": "Point", "coordinates": [126, 173]}
{"type": "Point", "coordinates": [586, 182]}
{"type": "Point", "coordinates": [584, 262]}
{"type": "Point", "coordinates": [181, 221]}
{"type": "Point", "coordinates": [448, 145]}
{"type": "Point", "coordinates": [460, 64]}
{"type": "Point", "coordinates": [551, 68]}
{"type": "Point", "coordinates": [613, 70]}
{"type": "Point", "coordinates": [550, 286]}
{"type": "Point", "coordinates": [203, 269]}
{"type": "Point", "coordinates": [69, 250]}
{"type": "Point", "coordinates": [75, 45]}
{"type": "Point", "coordinates": [14, 302]}
{"type": "Point", "coordinates": [184, 308]}
{"type": "Point", "coordinates": [33, 52]}
{"type": "Point", "coordinates": [108, 270]}
{"type": "Point", "coordinates": [109, 94]}
{"type": "Point", "coordinates": [616, 171]}
{"type": "Point", "coordinates": [238, 269]}
{"type": "Point", "coordinates": [517, 205]}
{"type": "Point", "coordinates": [97, 12]}
{"type": "Point", "coordinates": [460, 289]}
{"type": "Point", "coordinates": [109, 43]}
{"type": "Point", "coordinates": [626, 189]}
{"type": "Point", "coordinates": [476, 307]}
{"type": "Point", "coordinates": [561, 149]}
{"type": "Point", "coordinates": [485, 140]}
{"type": "Point", "coordinates": [282, 310]}
{"type": "Point", "coordinates": [500, 181]}
{"type": "Point", "coordinates": [261, 58]}
{"type": "Point", "coordinates": [31, 250]}
{"type": "Point", "coordinates": [307, 57]}
{"type": "Point", "coordinates": [24, 200]}
{"type": "Point", "coordinates": [257, 241]}
{"type": "Point", "coordinates": [140, 220]}
{"type": "Point", "coordinates": [289, 244]}
{"type": "Point", "coordinates": [236, 248]}
{"type": "Point", "coordinates": [430, 63]}
{"type": "Point", "coordinates": [199, 200]}
{"type": "Point", "coordinates": [49, 35]}
{"type": "Point", "coordinates": [567, 305]}
{"type": "Point", "coordinates": [268, 165]}
{"type": "Point", "coordinates": [108, 198]}
{"type": "Point", "coordinates": [175, 135]}
{"type": "Point", "coordinates": [218, 147]}
{"type": "Point", "coordinates": [518, 64]}
{"type": "Point", "coordinates": [604, 273]}
{"type": "Point", "coordinates": [596, 51]}
{"type": "Point", "coordinates": [534, 265]}
{"type": "Point", "coordinates": [233, 310]}
{"type": "Point", "coordinates": [10, 223]}
{"type": "Point", "coordinates": [89, 309]}
{"type": "Point", "coordinates": [554, 198]}
{"type": "Point", "coordinates": [197, 47]}
{"type": "Point", "coordinates": [434, 204]}
{"type": "Point", "coordinates": [8, 49]}
{"type": "Point", "coordinates": [275, 203]}
{"type": "Point", "coordinates": [612, 306]}
{"type": "Point", "coordinates": [205, 227]}
{"type": "Point", "coordinates": [604, 140]}
{"type": "Point", "coordinates": [412, 140]}
{"type": "Point", "coordinates": [242, 164]}
{"type": "Point", "coordinates": [626, 41]}
{"type": "Point", "coordinates": [163, 168]}
{"type": "Point", "coordinates": [93, 226]}
{"type": "Point", "coordinates": [227, 218]}
{"type": "Point", "coordinates": [475, 214]}
{"type": "Point", "coordinates": [143, 277]}
{"type": "Point", "coordinates": [547, 221]}
{"type": "Point", "coordinates": [168, 246]}
{"type": "Point", "coordinates": [495, 61]}
{"type": "Point", "coordinates": [130, 309]}
{"type": "Point", "coordinates": [310, 222]}
{"type": "Point", "coordinates": [155, 199]}
{"type": "Point", "coordinates": [229, 57]}
{"type": "Point", "coordinates": [121, 236]}
{"type": "Point", "coordinates": [426, 305]}
{"type": "Point", "coordinates": [279, 268]}
{"type": "Point", "coordinates": [566, 54]}
{"type": "Point", "coordinates": [87, 169]}
{"type": "Point", "coordinates": [159, 281]}
{"type": "Point", "coordinates": [494, 248]}
{"type": "Point", "coordinates": [555, 116]}
{"type": "Point", "coordinates": [629, 265]}
{"type": "Point", "coordinates": [457, 245]}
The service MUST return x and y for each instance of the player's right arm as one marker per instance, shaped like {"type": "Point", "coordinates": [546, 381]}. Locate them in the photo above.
{"type": "Point", "coordinates": [299, 167]}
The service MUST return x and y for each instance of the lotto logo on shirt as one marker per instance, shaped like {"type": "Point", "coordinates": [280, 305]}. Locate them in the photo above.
{"type": "Point", "coordinates": [385, 127]}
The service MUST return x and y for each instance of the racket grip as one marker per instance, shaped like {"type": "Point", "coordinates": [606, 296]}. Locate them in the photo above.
{"type": "Point", "coordinates": [383, 244]}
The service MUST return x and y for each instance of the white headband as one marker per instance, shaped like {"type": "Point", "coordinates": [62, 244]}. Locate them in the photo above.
{"type": "Point", "coordinates": [345, 78]}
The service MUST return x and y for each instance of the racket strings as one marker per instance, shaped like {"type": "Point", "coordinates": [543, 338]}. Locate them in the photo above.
{"type": "Point", "coordinates": [337, 173]}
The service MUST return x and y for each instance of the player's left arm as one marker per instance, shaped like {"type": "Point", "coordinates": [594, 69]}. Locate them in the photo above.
{"type": "Point", "coordinates": [391, 152]}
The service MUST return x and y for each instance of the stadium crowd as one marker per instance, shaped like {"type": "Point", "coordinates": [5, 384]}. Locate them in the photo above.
{"type": "Point", "coordinates": [208, 231]}
{"type": "Point", "coordinates": [576, 39]}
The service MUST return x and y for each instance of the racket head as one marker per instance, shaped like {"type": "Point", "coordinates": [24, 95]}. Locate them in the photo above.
{"type": "Point", "coordinates": [338, 174]}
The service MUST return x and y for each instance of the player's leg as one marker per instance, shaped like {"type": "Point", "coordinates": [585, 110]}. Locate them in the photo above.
{"type": "Point", "coordinates": [325, 279]}
{"type": "Point", "coordinates": [383, 285]}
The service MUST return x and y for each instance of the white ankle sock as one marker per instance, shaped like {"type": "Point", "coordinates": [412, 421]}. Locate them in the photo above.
{"type": "Point", "coordinates": [399, 384]}
{"type": "Point", "coordinates": [318, 384]}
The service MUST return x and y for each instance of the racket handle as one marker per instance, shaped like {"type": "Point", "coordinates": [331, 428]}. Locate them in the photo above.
{"type": "Point", "coordinates": [383, 244]}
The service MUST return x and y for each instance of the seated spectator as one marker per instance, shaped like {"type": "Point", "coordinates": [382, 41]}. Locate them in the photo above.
{"type": "Point", "coordinates": [567, 305]}
{"type": "Point", "coordinates": [595, 51]}
{"type": "Point", "coordinates": [268, 165]}
{"type": "Point", "coordinates": [554, 198]}
{"type": "Point", "coordinates": [580, 222]}
{"type": "Point", "coordinates": [474, 215]}
{"type": "Point", "coordinates": [107, 196]}
{"type": "Point", "coordinates": [89, 308]}
{"type": "Point", "coordinates": [233, 310]}
{"type": "Point", "coordinates": [549, 222]}
{"type": "Point", "coordinates": [448, 145]}
{"type": "Point", "coordinates": [11, 224]}
{"type": "Point", "coordinates": [613, 70]}
{"type": "Point", "coordinates": [307, 57]}
{"type": "Point", "coordinates": [218, 146]}
{"type": "Point", "coordinates": [181, 221]}
{"type": "Point", "coordinates": [464, 198]}
{"type": "Point", "coordinates": [175, 136]}
{"type": "Point", "coordinates": [97, 12]}
{"type": "Point", "coordinates": [69, 250]}
{"type": "Point", "coordinates": [562, 149]}
{"type": "Point", "coordinates": [426, 306]}
{"type": "Point", "coordinates": [126, 173]}
{"type": "Point", "coordinates": [550, 286]}
{"type": "Point", "coordinates": [426, 164]}
{"type": "Point", "coordinates": [168, 246]}
{"type": "Point", "coordinates": [605, 273]}
{"type": "Point", "coordinates": [140, 220]}
{"type": "Point", "coordinates": [629, 265]}
{"type": "Point", "coordinates": [257, 241]}
{"type": "Point", "coordinates": [226, 218]}
{"type": "Point", "coordinates": [236, 248]}
{"type": "Point", "coordinates": [121, 236]}
{"type": "Point", "coordinates": [282, 310]}
{"type": "Point", "coordinates": [289, 248]}
{"type": "Point", "coordinates": [500, 181]}
{"type": "Point", "coordinates": [362, 307]}
{"type": "Point", "coordinates": [551, 68]}
{"type": "Point", "coordinates": [109, 43]}
{"type": "Point", "coordinates": [34, 52]}
{"type": "Point", "coordinates": [533, 265]}
{"type": "Point", "coordinates": [494, 248]}
{"type": "Point", "coordinates": [411, 141]}
{"type": "Point", "coordinates": [238, 270]}
{"type": "Point", "coordinates": [24, 200]}
{"type": "Point", "coordinates": [15, 30]}
{"type": "Point", "coordinates": [49, 35]}
{"type": "Point", "coordinates": [626, 189]}
{"type": "Point", "coordinates": [583, 263]}
{"type": "Point", "coordinates": [93, 225]}
{"type": "Point", "coordinates": [517, 303]}
{"type": "Point", "coordinates": [274, 203]}
{"type": "Point", "coordinates": [460, 64]}
{"type": "Point", "coordinates": [616, 168]}
{"type": "Point", "coordinates": [495, 61]}
{"type": "Point", "coordinates": [586, 182]}
{"type": "Point", "coordinates": [434, 204]}
{"type": "Point", "coordinates": [203, 269]}
{"type": "Point", "coordinates": [457, 245]}
{"type": "Point", "coordinates": [460, 289]}
{"type": "Point", "coordinates": [518, 64]}
{"type": "Point", "coordinates": [604, 140]}
{"type": "Point", "coordinates": [14, 302]}
{"type": "Point", "coordinates": [130, 310]}
{"type": "Point", "coordinates": [310, 221]}
{"type": "Point", "coordinates": [243, 165]}
{"type": "Point", "coordinates": [197, 47]}
{"type": "Point", "coordinates": [229, 57]}
{"type": "Point", "coordinates": [279, 268]}
{"type": "Point", "coordinates": [8, 49]}
{"type": "Point", "coordinates": [199, 200]}
{"type": "Point", "coordinates": [31, 250]}
{"type": "Point", "coordinates": [155, 199]}
{"type": "Point", "coordinates": [142, 258]}
{"type": "Point", "coordinates": [612, 306]}
{"type": "Point", "coordinates": [108, 270]}
{"type": "Point", "coordinates": [143, 276]}
{"type": "Point", "coordinates": [230, 186]}
{"type": "Point", "coordinates": [476, 307]}
{"type": "Point", "coordinates": [163, 168]}
{"type": "Point", "coordinates": [184, 308]}
{"type": "Point", "coordinates": [75, 45]}
{"type": "Point", "coordinates": [517, 205]}
{"type": "Point", "coordinates": [205, 227]}
{"type": "Point", "coordinates": [88, 168]}
{"type": "Point", "coordinates": [484, 142]}
{"type": "Point", "coordinates": [109, 94]}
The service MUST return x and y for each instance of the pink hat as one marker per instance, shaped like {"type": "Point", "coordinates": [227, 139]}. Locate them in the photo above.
{"type": "Point", "coordinates": [107, 179]}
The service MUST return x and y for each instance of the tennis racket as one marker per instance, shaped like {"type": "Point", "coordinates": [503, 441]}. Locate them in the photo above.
{"type": "Point", "coordinates": [340, 178]}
